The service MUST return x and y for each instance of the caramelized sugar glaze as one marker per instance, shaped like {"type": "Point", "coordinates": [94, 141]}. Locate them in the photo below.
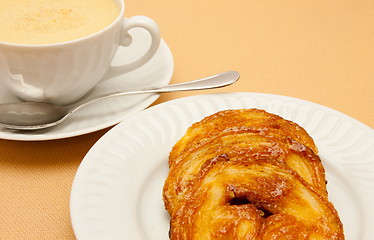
{"type": "Point", "coordinates": [248, 174]}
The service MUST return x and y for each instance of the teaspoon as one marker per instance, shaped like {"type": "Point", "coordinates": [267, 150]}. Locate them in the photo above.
{"type": "Point", "coordinates": [35, 115]}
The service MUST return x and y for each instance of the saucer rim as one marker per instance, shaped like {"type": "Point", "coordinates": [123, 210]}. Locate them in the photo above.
{"type": "Point", "coordinates": [40, 135]}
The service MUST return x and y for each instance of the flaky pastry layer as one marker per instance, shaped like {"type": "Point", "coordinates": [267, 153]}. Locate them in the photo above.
{"type": "Point", "coordinates": [248, 174]}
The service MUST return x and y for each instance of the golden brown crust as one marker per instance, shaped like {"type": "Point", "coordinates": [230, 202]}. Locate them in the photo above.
{"type": "Point", "coordinates": [248, 174]}
{"type": "Point", "coordinates": [236, 120]}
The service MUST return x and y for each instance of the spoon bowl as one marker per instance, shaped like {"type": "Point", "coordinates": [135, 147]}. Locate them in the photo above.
{"type": "Point", "coordinates": [35, 115]}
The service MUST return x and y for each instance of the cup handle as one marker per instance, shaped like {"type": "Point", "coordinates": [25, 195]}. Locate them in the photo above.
{"type": "Point", "coordinates": [127, 24]}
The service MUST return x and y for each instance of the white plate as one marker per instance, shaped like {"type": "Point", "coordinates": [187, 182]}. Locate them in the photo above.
{"type": "Point", "coordinates": [157, 72]}
{"type": "Point", "coordinates": [117, 191]}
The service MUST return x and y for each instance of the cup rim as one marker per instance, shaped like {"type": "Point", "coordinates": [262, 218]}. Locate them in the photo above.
{"type": "Point", "coordinates": [120, 16]}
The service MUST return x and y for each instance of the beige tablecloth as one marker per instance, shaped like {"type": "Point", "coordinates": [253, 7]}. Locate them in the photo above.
{"type": "Point", "coordinates": [320, 51]}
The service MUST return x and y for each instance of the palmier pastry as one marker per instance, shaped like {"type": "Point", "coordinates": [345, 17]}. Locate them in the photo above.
{"type": "Point", "coordinates": [248, 174]}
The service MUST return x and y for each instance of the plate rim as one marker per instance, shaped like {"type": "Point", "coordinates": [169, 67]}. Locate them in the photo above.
{"type": "Point", "coordinates": [106, 137]}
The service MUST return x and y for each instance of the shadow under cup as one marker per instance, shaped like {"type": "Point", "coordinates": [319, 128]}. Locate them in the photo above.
{"type": "Point", "coordinates": [62, 73]}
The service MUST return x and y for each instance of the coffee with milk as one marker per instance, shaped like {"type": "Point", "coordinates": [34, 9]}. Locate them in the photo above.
{"type": "Point", "coordinates": [57, 51]}
{"type": "Point", "coordinates": [36, 22]}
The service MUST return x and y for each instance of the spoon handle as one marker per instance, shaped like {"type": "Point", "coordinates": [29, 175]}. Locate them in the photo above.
{"type": "Point", "coordinates": [216, 81]}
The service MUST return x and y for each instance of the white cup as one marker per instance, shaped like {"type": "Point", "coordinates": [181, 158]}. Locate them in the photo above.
{"type": "Point", "coordinates": [62, 73]}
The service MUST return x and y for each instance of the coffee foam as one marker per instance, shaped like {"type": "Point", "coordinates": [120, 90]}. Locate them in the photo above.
{"type": "Point", "coordinates": [41, 22]}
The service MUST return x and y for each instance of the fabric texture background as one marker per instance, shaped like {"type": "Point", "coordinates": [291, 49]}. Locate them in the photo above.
{"type": "Point", "coordinates": [320, 51]}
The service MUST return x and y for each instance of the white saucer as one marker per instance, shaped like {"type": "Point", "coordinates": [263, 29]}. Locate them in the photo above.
{"type": "Point", "coordinates": [158, 71]}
